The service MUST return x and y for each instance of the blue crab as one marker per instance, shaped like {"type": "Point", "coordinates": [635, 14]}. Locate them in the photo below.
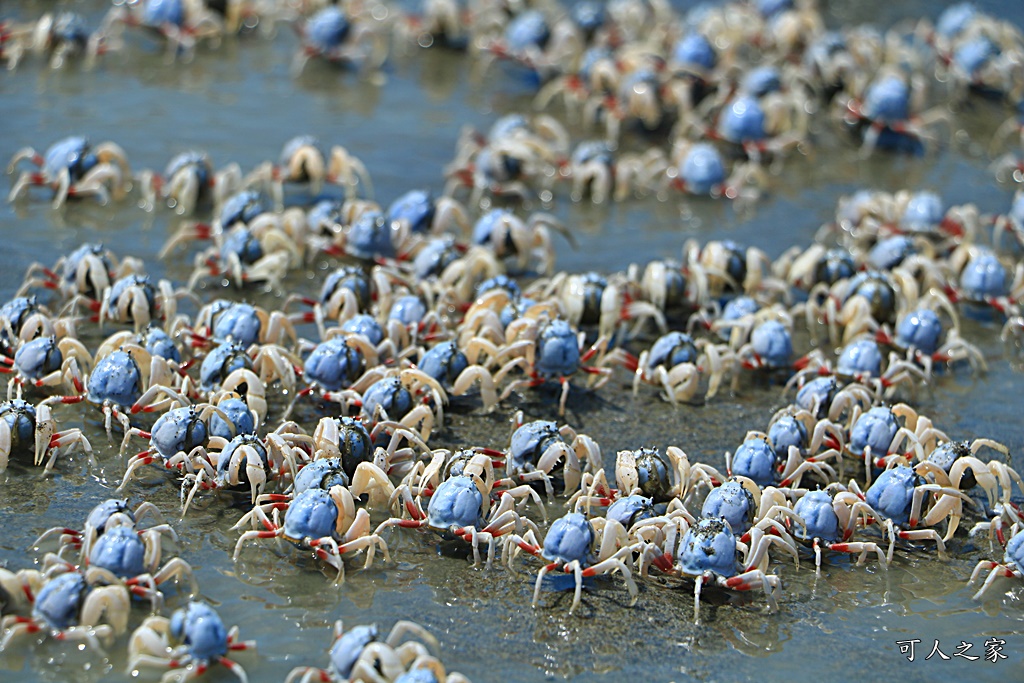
{"type": "Point", "coordinates": [192, 639]}
{"type": "Point", "coordinates": [73, 167]}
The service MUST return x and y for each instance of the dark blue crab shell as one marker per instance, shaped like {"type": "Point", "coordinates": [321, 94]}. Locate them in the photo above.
{"type": "Point", "coordinates": [529, 29]}
{"type": "Point", "coordinates": [946, 455]}
{"type": "Point", "coordinates": [240, 322]}
{"type": "Point", "coordinates": [501, 281]}
{"type": "Point", "coordinates": [892, 493]}
{"type": "Point", "coordinates": [742, 121]}
{"type": "Point", "coordinates": [20, 417]}
{"type": "Point", "coordinates": [241, 207]}
{"type": "Point", "coordinates": [761, 80]}
{"type": "Point", "coordinates": [736, 309]}
{"type": "Point", "coordinates": [558, 351]}
{"type": "Point", "coordinates": [347, 648]}
{"type": "Point", "coordinates": [569, 539]}
{"type": "Point", "coordinates": [444, 362]}
{"type": "Point", "coordinates": [653, 477]}
{"type": "Point", "coordinates": [292, 147]}
{"type": "Point", "coordinates": [875, 428]}
{"type": "Point", "coordinates": [773, 344]}
{"type": "Point", "coordinates": [388, 394]}
{"type": "Point", "coordinates": [629, 510]}
{"type": "Point", "coordinates": [1015, 551]}
{"type": "Point", "coordinates": [326, 216]}
{"type": "Point", "coordinates": [819, 516]}
{"type": "Point", "coordinates": [416, 208]}
{"type": "Point", "coordinates": [38, 358]}
{"type": "Point", "coordinates": [733, 502]}
{"type": "Point", "coordinates": [955, 19]}
{"type": "Point", "coordinates": [311, 514]}
{"type": "Point", "coordinates": [588, 16]}
{"type": "Point", "coordinates": [200, 628]}
{"type": "Point", "coordinates": [71, 154]}
{"type": "Point", "coordinates": [455, 503]}
{"type": "Point", "coordinates": [921, 330]}
{"type": "Point", "coordinates": [787, 431]}
{"type": "Point", "coordinates": [101, 514]}
{"type": "Point", "coordinates": [816, 396]}
{"type": "Point", "coordinates": [224, 460]}
{"type": "Point", "coordinates": [221, 362]}
{"type": "Point", "coordinates": [860, 357]}
{"type": "Point", "coordinates": [672, 349]}
{"type": "Point", "coordinates": [485, 226]}
{"type": "Point", "coordinates": [887, 100]}
{"type": "Point", "coordinates": [352, 278]}
{"type": "Point", "coordinates": [694, 50]}
{"type": "Point", "coordinates": [708, 546]}
{"type": "Point", "coordinates": [890, 252]}
{"type": "Point", "coordinates": [239, 415]}
{"type": "Point", "coordinates": [158, 343]}
{"type": "Point", "coordinates": [116, 379]}
{"type": "Point", "coordinates": [365, 325]}
{"type": "Point", "coordinates": [836, 265]}
{"type": "Point", "coordinates": [242, 243]}
{"type": "Point", "coordinates": [435, 256]}
{"type": "Point", "coordinates": [58, 602]}
{"type": "Point", "coordinates": [354, 443]}
{"type": "Point", "coordinates": [197, 163]}
{"type": "Point", "coordinates": [408, 310]}
{"type": "Point", "coordinates": [327, 30]}
{"type": "Point", "coordinates": [590, 151]}
{"type": "Point", "coordinates": [983, 277]}
{"type": "Point", "coordinates": [158, 13]}
{"type": "Point", "coordinates": [178, 430]}
{"type": "Point", "coordinates": [702, 169]}
{"type": "Point", "coordinates": [755, 459]}
{"type": "Point", "coordinates": [370, 237]}
{"type": "Point", "coordinates": [320, 474]}
{"type": "Point", "coordinates": [528, 444]}
{"type": "Point", "coordinates": [923, 213]}
{"type": "Point", "coordinates": [972, 55]}
{"type": "Point", "coordinates": [120, 551]}
{"type": "Point", "coordinates": [17, 311]}
{"type": "Point", "coordinates": [71, 29]}
{"type": "Point", "coordinates": [334, 364]}
{"type": "Point", "coordinates": [132, 283]}
{"type": "Point", "coordinates": [876, 287]}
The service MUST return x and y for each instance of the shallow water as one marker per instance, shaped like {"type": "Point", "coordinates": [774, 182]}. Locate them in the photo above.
{"type": "Point", "coordinates": [240, 103]}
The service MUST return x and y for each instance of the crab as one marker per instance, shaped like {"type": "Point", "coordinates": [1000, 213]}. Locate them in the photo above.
{"type": "Point", "coordinates": [462, 507]}
{"type": "Point", "coordinates": [24, 427]}
{"type": "Point", "coordinates": [324, 521]}
{"type": "Point", "coordinates": [180, 23]}
{"type": "Point", "coordinates": [111, 511]}
{"type": "Point", "coordinates": [569, 545]}
{"type": "Point", "coordinates": [921, 335]}
{"type": "Point", "coordinates": [675, 362]}
{"type": "Point", "coordinates": [709, 553]}
{"type": "Point", "coordinates": [830, 518]}
{"type": "Point", "coordinates": [58, 36]}
{"type": "Point", "coordinates": [245, 460]}
{"type": "Point", "coordinates": [861, 361]}
{"type": "Point", "coordinates": [536, 449]}
{"type": "Point", "coordinates": [44, 363]}
{"type": "Point", "coordinates": [362, 653]}
{"type": "Point", "coordinates": [192, 639]}
{"type": "Point", "coordinates": [89, 270]}
{"type": "Point", "coordinates": [1012, 566]}
{"type": "Point", "coordinates": [697, 169]}
{"type": "Point", "coordinates": [303, 161]}
{"type": "Point", "coordinates": [730, 268]}
{"type": "Point", "coordinates": [884, 114]}
{"type": "Point", "coordinates": [760, 128]}
{"type": "Point", "coordinates": [898, 496]}
{"type": "Point", "coordinates": [73, 167]}
{"type": "Point", "coordinates": [189, 182]}
{"type": "Point", "coordinates": [553, 350]}
{"type": "Point", "coordinates": [756, 459]}
{"type": "Point", "coordinates": [243, 323]}
{"type": "Point", "coordinates": [70, 606]}
{"type": "Point", "coordinates": [176, 439]}
{"type": "Point", "coordinates": [355, 36]}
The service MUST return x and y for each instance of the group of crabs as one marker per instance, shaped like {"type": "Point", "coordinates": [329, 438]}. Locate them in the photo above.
{"type": "Point", "coordinates": [725, 91]}
{"type": "Point", "coordinates": [416, 317]}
